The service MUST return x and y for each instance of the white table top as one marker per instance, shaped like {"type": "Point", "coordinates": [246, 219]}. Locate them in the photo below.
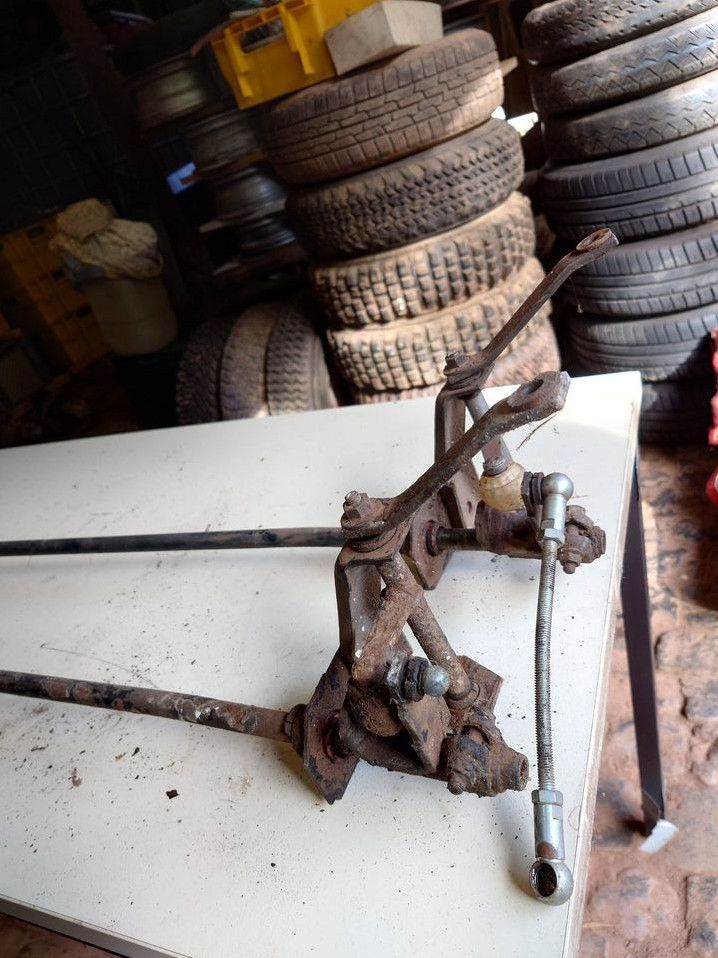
{"type": "Point", "coordinates": [248, 859]}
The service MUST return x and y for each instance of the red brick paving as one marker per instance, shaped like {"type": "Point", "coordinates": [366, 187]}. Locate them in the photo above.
{"type": "Point", "coordinates": [665, 905]}
{"type": "Point", "coordinates": [638, 906]}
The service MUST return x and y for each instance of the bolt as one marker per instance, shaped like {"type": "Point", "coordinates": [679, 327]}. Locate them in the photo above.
{"type": "Point", "coordinates": [556, 490]}
{"type": "Point", "coordinates": [422, 677]}
{"type": "Point", "coordinates": [435, 681]}
{"type": "Point", "coordinates": [353, 504]}
{"type": "Point", "coordinates": [352, 498]}
{"type": "Point", "coordinates": [455, 359]}
{"type": "Point", "coordinates": [496, 466]}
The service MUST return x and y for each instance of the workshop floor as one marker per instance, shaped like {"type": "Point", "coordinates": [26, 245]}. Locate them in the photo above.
{"type": "Point", "coordinates": [638, 906]}
{"type": "Point", "coordinates": [665, 905]}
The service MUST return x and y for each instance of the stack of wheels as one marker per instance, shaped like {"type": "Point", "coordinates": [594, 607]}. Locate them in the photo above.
{"type": "Point", "coordinates": [178, 94]}
{"type": "Point", "coordinates": [246, 196]}
{"type": "Point", "coordinates": [268, 361]}
{"type": "Point", "coordinates": [402, 190]}
{"type": "Point", "coordinates": [628, 94]}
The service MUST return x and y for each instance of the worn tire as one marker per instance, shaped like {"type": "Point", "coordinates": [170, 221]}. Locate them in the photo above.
{"type": "Point", "coordinates": [661, 347]}
{"type": "Point", "coordinates": [243, 388]}
{"type": "Point", "coordinates": [197, 388]}
{"type": "Point", "coordinates": [536, 354]}
{"type": "Point", "coordinates": [569, 29]}
{"type": "Point", "coordinates": [676, 412]}
{"type": "Point", "coordinates": [668, 274]}
{"type": "Point", "coordinates": [297, 374]}
{"type": "Point", "coordinates": [660, 190]}
{"type": "Point", "coordinates": [421, 97]}
{"type": "Point", "coordinates": [645, 65]}
{"type": "Point", "coordinates": [407, 354]}
{"type": "Point", "coordinates": [431, 274]}
{"type": "Point", "coordinates": [679, 111]}
{"type": "Point", "coordinates": [412, 198]}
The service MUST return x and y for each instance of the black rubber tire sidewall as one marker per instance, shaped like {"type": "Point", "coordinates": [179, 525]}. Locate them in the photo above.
{"type": "Point", "coordinates": [423, 96]}
{"type": "Point", "coordinates": [197, 389]}
{"type": "Point", "coordinates": [411, 198]}
{"type": "Point", "coordinates": [569, 29]}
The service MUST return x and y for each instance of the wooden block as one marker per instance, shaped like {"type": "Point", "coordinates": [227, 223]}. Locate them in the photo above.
{"type": "Point", "coordinates": [382, 30]}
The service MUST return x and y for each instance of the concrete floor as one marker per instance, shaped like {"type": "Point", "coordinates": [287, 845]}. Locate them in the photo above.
{"type": "Point", "coordinates": [638, 906]}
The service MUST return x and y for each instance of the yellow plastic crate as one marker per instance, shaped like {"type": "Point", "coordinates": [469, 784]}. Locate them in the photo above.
{"type": "Point", "coordinates": [73, 342]}
{"type": "Point", "coordinates": [55, 296]}
{"type": "Point", "coordinates": [41, 300]}
{"type": "Point", "coordinates": [296, 59]}
{"type": "Point", "coordinates": [28, 252]}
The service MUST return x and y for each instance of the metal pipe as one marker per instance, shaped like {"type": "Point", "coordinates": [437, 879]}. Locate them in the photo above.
{"type": "Point", "coordinates": [448, 539]}
{"type": "Point", "coordinates": [503, 533]}
{"type": "Point", "coordinates": [544, 744]}
{"type": "Point", "coordinates": [434, 642]}
{"type": "Point", "coordinates": [215, 713]}
{"type": "Point", "coordinates": [496, 448]}
{"type": "Point", "coordinates": [550, 877]}
{"type": "Point", "coordinates": [312, 536]}
{"type": "Point", "coordinates": [428, 632]}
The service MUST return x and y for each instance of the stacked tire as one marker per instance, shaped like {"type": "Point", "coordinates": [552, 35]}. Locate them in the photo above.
{"type": "Point", "coordinates": [268, 361]}
{"type": "Point", "coordinates": [403, 191]}
{"type": "Point", "coordinates": [628, 94]}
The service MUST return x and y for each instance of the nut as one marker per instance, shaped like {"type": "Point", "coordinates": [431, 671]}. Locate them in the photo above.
{"type": "Point", "coordinates": [455, 359]}
{"type": "Point", "coordinates": [355, 505]}
{"type": "Point", "coordinates": [360, 511]}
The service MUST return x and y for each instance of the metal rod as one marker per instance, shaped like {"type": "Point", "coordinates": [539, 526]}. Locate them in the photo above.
{"type": "Point", "coordinates": [544, 744]}
{"type": "Point", "coordinates": [312, 536]}
{"type": "Point", "coordinates": [496, 448]}
{"type": "Point", "coordinates": [216, 713]}
{"type": "Point", "coordinates": [590, 248]}
{"type": "Point", "coordinates": [503, 533]}
{"type": "Point", "coordinates": [422, 622]}
{"type": "Point", "coordinates": [641, 666]}
{"type": "Point", "coordinates": [464, 539]}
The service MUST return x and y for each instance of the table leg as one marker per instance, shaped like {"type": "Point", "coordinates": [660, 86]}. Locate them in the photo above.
{"type": "Point", "coordinates": [639, 646]}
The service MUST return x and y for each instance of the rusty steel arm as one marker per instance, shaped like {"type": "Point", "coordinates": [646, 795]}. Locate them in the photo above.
{"type": "Point", "coordinates": [533, 401]}
{"type": "Point", "coordinates": [478, 365]}
{"type": "Point", "coordinates": [197, 709]}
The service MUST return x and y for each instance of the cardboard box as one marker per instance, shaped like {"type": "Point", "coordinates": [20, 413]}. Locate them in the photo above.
{"type": "Point", "coordinates": [382, 30]}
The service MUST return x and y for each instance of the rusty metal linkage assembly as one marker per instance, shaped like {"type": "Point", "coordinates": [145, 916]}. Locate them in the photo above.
{"type": "Point", "coordinates": [430, 715]}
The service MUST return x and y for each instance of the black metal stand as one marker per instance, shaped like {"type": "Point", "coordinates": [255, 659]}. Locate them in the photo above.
{"type": "Point", "coordinates": [639, 646]}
